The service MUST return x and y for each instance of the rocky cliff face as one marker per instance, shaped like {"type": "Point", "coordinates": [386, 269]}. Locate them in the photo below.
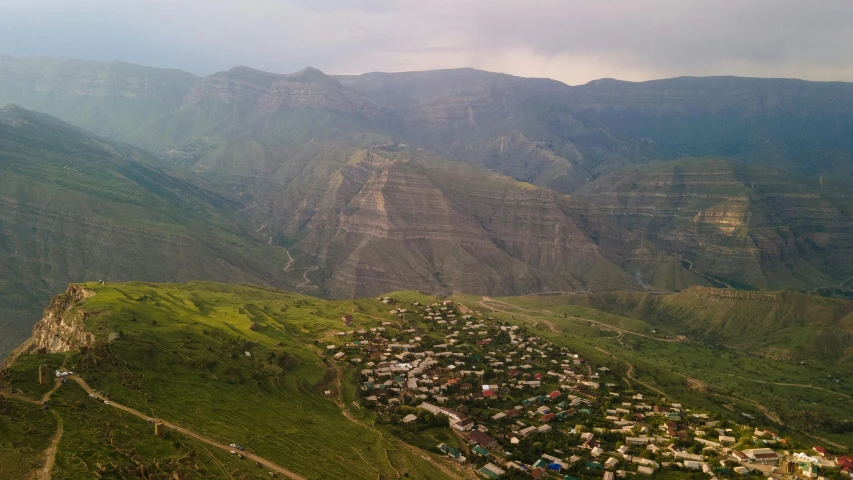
{"type": "Point", "coordinates": [62, 327]}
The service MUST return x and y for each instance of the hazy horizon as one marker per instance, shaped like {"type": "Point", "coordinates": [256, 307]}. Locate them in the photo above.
{"type": "Point", "coordinates": [573, 42]}
{"type": "Point", "coordinates": [332, 73]}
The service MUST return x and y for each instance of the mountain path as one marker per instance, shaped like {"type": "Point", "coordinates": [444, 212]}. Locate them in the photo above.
{"type": "Point", "coordinates": [486, 300]}
{"type": "Point", "coordinates": [50, 452]}
{"type": "Point", "coordinates": [290, 259]}
{"type": "Point", "coordinates": [706, 277]}
{"type": "Point", "coordinates": [781, 384]}
{"type": "Point", "coordinates": [190, 433]}
{"type": "Point", "coordinates": [307, 284]}
{"type": "Point", "coordinates": [839, 285]}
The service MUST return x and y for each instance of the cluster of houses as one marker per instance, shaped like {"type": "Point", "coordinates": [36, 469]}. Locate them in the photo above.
{"type": "Point", "coordinates": [518, 405]}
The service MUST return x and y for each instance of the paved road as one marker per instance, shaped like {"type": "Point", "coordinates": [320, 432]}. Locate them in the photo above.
{"type": "Point", "coordinates": [266, 463]}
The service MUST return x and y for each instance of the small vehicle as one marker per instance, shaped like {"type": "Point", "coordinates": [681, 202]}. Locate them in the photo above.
{"type": "Point", "coordinates": [240, 456]}
{"type": "Point", "coordinates": [233, 452]}
{"type": "Point", "coordinates": [150, 420]}
{"type": "Point", "coordinates": [106, 403]}
{"type": "Point", "coordinates": [240, 447]}
{"type": "Point", "coordinates": [233, 445]}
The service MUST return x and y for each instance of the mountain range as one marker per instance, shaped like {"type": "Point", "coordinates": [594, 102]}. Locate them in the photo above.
{"type": "Point", "coordinates": [444, 181]}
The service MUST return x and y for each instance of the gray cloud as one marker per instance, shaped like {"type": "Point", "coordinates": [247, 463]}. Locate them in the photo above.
{"type": "Point", "coordinates": [573, 41]}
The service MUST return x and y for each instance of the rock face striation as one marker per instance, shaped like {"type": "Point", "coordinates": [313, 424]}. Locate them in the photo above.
{"type": "Point", "coordinates": [738, 224]}
{"type": "Point", "coordinates": [384, 224]}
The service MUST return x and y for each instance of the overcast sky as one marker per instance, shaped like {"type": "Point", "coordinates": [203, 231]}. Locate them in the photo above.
{"type": "Point", "coordinates": [572, 41]}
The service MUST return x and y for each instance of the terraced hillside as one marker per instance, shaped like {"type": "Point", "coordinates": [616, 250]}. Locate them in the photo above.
{"type": "Point", "coordinates": [378, 221]}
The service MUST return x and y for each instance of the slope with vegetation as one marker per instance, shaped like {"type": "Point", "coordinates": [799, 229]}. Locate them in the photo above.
{"type": "Point", "coordinates": [802, 388]}
{"type": "Point", "coordinates": [76, 207]}
{"type": "Point", "coordinates": [226, 364]}
{"type": "Point", "coordinates": [786, 325]}
{"type": "Point", "coordinates": [233, 364]}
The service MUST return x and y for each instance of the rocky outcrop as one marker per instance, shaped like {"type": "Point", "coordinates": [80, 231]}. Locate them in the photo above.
{"type": "Point", "coordinates": [62, 327]}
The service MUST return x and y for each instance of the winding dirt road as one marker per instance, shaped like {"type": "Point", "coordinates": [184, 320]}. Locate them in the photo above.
{"type": "Point", "coordinates": [50, 452]}
{"type": "Point", "coordinates": [485, 301]}
{"type": "Point", "coordinates": [802, 385]}
{"type": "Point", "coordinates": [306, 284]}
{"type": "Point", "coordinates": [266, 463]}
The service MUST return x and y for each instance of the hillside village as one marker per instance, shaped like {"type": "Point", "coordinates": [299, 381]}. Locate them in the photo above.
{"type": "Point", "coordinates": [518, 406]}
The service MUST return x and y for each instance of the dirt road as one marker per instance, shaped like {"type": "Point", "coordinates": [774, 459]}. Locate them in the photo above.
{"type": "Point", "coordinates": [306, 284]}
{"type": "Point", "coordinates": [485, 301]}
{"type": "Point", "coordinates": [266, 463]}
{"type": "Point", "coordinates": [50, 452]}
{"type": "Point", "coordinates": [803, 385]}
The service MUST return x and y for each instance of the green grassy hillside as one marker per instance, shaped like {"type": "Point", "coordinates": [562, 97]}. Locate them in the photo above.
{"type": "Point", "coordinates": [75, 207]}
{"type": "Point", "coordinates": [784, 324]}
{"type": "Point", "coordinates": [809, 398]}
{"type": "Point", "coordinates": [232, 363]}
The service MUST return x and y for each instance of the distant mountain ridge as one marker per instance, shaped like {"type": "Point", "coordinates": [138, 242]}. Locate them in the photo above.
{"type": "Point", "coordinates": [458, 180]}
{"type": "Point", "coordinates": [536, 130]}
